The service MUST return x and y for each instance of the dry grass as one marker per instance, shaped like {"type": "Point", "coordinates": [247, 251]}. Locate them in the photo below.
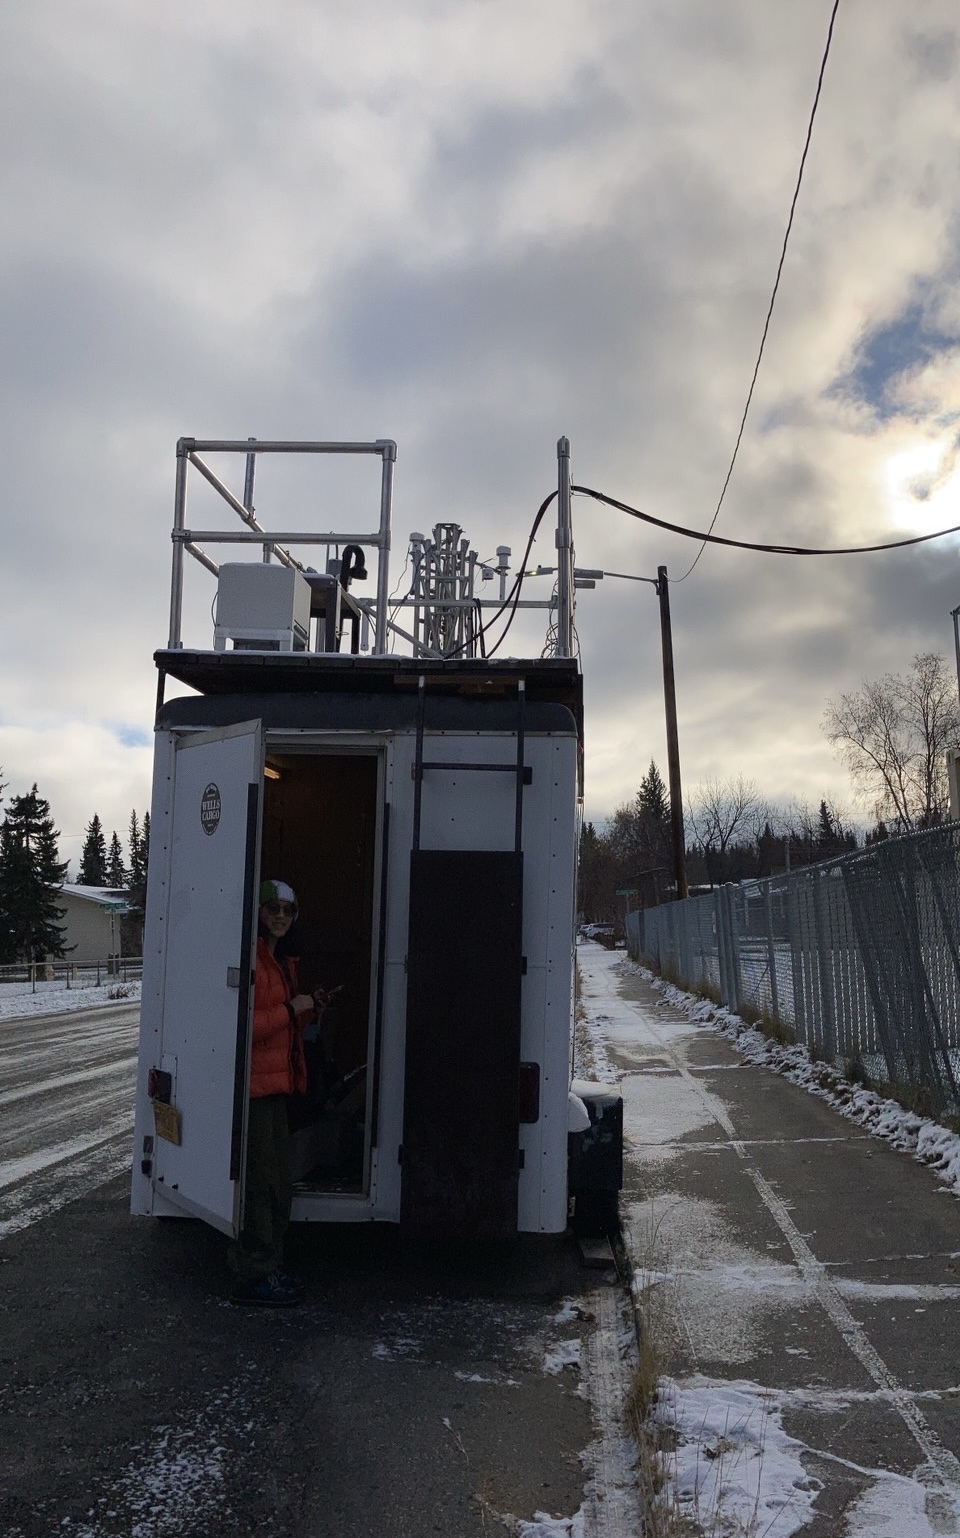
{"type": "Point", "coordinates": [658, 1317]}
{"type": "Point", "coordinates": [776, 1030]}
{"type": "Point", "coordinates": [660, 1509]}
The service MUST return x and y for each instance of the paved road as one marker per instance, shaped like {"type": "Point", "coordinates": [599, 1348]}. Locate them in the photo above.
{"type": "Point", "coordinates": [802, 1281]}
{"type": "Point", "coordinates": [66, 1107]}
{"type": "Point", "coordinates": [416, 1391]}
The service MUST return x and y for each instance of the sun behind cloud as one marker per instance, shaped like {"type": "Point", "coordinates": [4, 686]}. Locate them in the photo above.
{"type": "Point", "coordinates": [923, 484]}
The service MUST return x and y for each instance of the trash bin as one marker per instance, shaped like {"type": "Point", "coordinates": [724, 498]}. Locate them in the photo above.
{"type": "Point", "coordinates": [595, 1159]}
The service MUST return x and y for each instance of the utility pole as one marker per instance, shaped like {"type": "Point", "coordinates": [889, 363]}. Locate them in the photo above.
{"type": "Point", "coordinates": [673, 744]}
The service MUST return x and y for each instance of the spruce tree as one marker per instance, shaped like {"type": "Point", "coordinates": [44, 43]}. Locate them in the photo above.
{"type": "Point", "coordinates": [596, 876]}
{"type": "Point", "coordinates": [652, 797]}
{"type": "Point", "coordinates": [31, 875]}
{"type": "Point", "coordinates": [93, 858]}
{"type": "Point", "coordinates": [116, 871]}
{"type": "Point", "coordinates": [653, 815]}
{"type": "Point", "coordinates": [639, 839]}
{"type": "Point", "coordinates": [135, 844]}
{"type": "Point", "coordinates": [827, 832]}
{"type": "Point", "coordinates": [132, 921]}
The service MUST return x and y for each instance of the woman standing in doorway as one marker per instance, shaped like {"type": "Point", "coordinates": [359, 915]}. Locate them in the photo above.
{"type": "Point", "coordinates": [277, 1070]}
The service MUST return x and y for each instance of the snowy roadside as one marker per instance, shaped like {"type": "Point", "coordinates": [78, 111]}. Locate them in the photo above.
{"type": "Point", "coordinates": [794, 1380]}
{"type": "Point", "coordinates": [20, 999]}
{"type": "Point", "coordinates": [927, 1141]}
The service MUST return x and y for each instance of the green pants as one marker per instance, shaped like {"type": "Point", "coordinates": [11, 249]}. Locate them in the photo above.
{"type": "Point", "coordinates": [269, 1192]}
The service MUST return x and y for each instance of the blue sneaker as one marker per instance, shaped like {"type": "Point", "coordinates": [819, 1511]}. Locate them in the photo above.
{"type": "Point", "coordinates": [291, 1283]}
{"type": "Point", "coordinates": [268, 1293]}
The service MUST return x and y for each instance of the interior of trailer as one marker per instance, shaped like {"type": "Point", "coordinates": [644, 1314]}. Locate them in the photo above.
{"type": "Point", "coordinates": [320, 836]}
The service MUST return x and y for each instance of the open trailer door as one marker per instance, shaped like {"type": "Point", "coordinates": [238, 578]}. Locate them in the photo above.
{"type": "Point", "coordinates": [208, 971]}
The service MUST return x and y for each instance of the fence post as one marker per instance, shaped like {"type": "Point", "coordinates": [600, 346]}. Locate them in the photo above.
{"type": "Point", "coordinates": [726, 944]}
{"type": "Point", "coordinates": [721, 947]}
{"type": "Point", "coordinates": [796, 956]}
{"type": "Point", "coordinates": [825, 968]}
{"type": "Point", "coordinates": [771, 951]}
{"type": "Point", "coordinates": [735, 899]}
{"type": "Point", "coordinates": [720, 926]}
{"type": "Point", "coordinates": [687, 968]}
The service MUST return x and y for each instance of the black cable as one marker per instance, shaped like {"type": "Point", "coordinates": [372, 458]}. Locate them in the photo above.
{"type": "Point", "coordinates": [513, 597]}
{"type": "Point", "coordinates": [480, 635]}
{"type": "Point", "coordinates": [776, 285]}
{"type": "Point", "coordinates": [744, 544]}
{"type": "Point", "coordinates": [514, 594]}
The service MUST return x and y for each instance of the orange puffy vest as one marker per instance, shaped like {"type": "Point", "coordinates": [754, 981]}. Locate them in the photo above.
{"type": "Point", "coordinates": [277, 1066]}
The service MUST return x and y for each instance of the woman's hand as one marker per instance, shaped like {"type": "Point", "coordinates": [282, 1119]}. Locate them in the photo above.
{"type": "Point", "coordinates": [302, 1004]}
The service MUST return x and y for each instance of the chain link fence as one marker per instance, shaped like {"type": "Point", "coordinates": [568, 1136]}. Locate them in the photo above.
{"type": "Point", "coordinates": [858, 958]}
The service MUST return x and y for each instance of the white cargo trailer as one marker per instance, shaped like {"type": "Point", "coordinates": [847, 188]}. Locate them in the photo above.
{"type": "Point", "coordinates": [425, 809]}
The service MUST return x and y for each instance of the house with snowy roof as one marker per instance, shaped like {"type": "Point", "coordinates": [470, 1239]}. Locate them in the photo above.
{"type": "Point", "coordinates": [91, 921]}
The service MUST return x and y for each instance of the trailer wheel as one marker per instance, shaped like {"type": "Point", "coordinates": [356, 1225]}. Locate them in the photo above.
{"type": "Point", "coordinates": [596, 1213]}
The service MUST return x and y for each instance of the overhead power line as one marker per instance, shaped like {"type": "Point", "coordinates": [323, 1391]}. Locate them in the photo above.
{"type": "Point", "coordinates": [745, 544]}
{"type": "Point", "coordinates": [776, 286]}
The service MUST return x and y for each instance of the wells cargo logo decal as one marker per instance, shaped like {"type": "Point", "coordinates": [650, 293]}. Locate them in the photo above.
{"type": "Point", "coordinates": [210, 808]}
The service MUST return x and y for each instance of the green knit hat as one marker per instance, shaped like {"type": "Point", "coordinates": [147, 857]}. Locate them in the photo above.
{"type": "Point", "coordinates": [278, 892]}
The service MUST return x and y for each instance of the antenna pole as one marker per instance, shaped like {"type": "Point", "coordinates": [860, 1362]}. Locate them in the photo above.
{"type": "Point", "coordinates": [564, 552]}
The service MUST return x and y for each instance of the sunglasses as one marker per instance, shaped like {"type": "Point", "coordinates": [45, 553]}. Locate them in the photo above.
{"type": "Point", "coordinates": [280, 910]}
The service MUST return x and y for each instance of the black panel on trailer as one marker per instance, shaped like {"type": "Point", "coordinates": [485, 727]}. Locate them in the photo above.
{"type": "Point", "coordinates": [461, 1092]}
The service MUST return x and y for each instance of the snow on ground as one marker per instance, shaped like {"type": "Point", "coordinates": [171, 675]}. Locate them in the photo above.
{"type": "Point", "coordinates": [735, 1469]}
{"type": "Point", "coordinates": [19, 999]}
{"type": "Point", "coordinates": [178, 1479]}
{"type": "Point", "coordinates": [565, 1354]}
{"type": "Point", "coordinates": [737, 1472]}
{"type": "Point", "coordinates": [545, 1526]}
{"type": "Point", "coordinates": [925, 1139]}
{"type": "Point", "coordinates": [731, 1465]}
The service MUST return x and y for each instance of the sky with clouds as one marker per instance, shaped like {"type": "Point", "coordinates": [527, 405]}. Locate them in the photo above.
{"type": "Point", "coordinates": [473, 226]}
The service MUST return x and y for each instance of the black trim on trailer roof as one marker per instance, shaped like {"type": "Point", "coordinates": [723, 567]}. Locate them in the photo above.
{"type": "Point", "coordinates": [357, 712]}
{"type": "Point", "coordinates": [334, 669]}
{"type": "Point", "coordinates": [549, 680]}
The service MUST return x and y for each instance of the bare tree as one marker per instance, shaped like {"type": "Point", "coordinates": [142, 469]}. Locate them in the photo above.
{"type": "Point", "coordinates": [892, 735]}
{"type": "Point", "coordinates": [721, 813]}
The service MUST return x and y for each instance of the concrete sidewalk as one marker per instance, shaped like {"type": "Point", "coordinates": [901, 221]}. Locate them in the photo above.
{"type": "Point", "coordinates": [800, 1279]}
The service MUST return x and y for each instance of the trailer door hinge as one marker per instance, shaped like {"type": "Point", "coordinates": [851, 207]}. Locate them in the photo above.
{"type": "Point", "coordinates": [522, 1159]}
{"type": "Point", "coordinates": [523, 966]}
